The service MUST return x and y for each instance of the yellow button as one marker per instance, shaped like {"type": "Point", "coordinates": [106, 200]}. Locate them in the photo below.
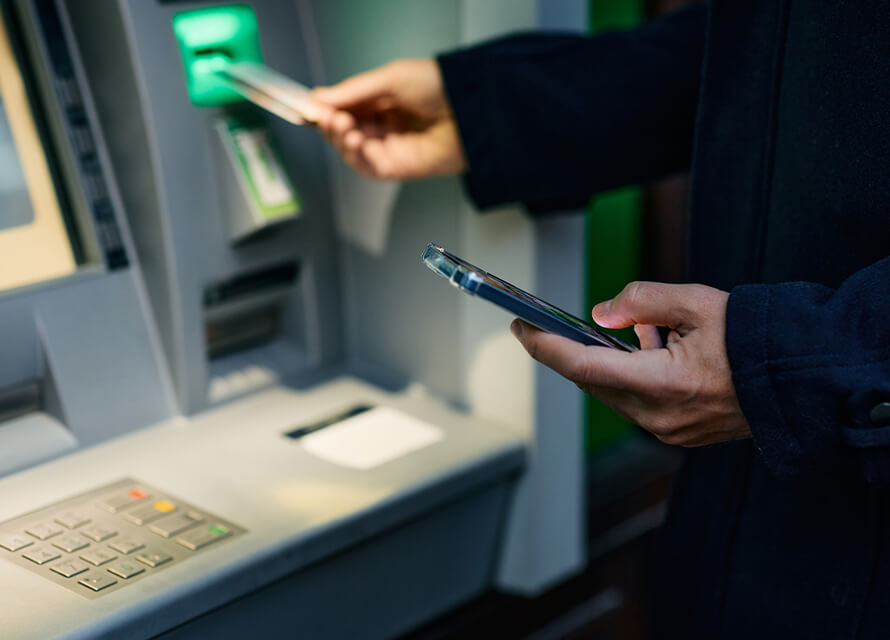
{"type": "Point", "coordinates": [164, 506]}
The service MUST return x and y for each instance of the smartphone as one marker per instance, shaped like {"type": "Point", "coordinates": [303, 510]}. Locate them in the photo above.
{"type": "Point", "coordinates": [533, 310]}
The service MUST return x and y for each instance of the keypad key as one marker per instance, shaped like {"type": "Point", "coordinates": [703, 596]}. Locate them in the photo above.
{"type": "Point", "coordinates": [117, 502]}
{"type": "Point", "coordinates": [154, 557]}
{"type": "Point", "coordinates": [150, 512]}
{"type": "Point", "coordinates": [202, 536]}
{"type": "Point", "coordinates": [70, 568]}
{"type": "Point", "coordinates": [15, 541]}
{"type": "Point", "coordinates": [98, 532]}
{"type": "Point", "coordinates": [72, 520]}
{"type": "Point", "coordinates": [126, 569]}
{"type": "Point", "coordinates": [177, 523]}
{"type": "Point", "coordinates": [42, 555]}
{"type": "Point", "coordinates": [97, 581]}
{"type": "Point", "coordinates": [98, 557]}
{"type": "Point", "coordinates": [126, 545]}
{"type": "Point", "coordinates": [43, 531]}
{"type": "Point", "coordinates": [70, 543]}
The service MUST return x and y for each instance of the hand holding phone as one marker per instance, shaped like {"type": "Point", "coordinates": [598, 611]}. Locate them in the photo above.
{"type": "Point", "coordinates": [533, 310]}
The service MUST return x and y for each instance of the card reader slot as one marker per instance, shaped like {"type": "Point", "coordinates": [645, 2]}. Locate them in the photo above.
{"type": "Point", "coordinates": [212, 51]}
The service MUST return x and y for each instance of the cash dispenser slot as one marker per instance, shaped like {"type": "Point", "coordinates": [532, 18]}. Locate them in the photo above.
{"type": "Point", "coordinates": [30, 431]}
{"type": "Point", "coordinates": [19, 399]}
{"type": "Point", "coordinates": [246, 310]}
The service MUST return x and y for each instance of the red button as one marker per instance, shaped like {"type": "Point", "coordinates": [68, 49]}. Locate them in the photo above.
{"type": "Point", "coordinates": [137, 494]}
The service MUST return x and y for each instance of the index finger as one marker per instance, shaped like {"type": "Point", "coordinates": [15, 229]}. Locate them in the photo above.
{"type": "Point", "coordinates": [355, 90]}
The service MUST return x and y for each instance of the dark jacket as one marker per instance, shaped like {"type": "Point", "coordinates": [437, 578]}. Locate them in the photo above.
{"type": "Point", "coordinates": [782, 111]}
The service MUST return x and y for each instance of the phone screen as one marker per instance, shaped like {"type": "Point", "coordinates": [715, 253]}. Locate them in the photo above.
{"type": "Point", "coordinates": [459, 271]}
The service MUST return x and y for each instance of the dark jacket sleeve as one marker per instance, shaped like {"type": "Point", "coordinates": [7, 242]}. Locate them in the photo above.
{"type": "Point", "coordinates": [809, 365]}
{"type": "Point", "coordinates": [548, 120]}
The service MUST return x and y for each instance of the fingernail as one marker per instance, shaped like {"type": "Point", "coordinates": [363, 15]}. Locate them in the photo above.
{"type": "Point", "coordinates": [516, 329]}
{"type": "Point", "coordinates": [602, 309]}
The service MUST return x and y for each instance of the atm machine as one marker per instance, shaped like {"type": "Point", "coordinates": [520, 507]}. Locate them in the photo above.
{"type": "Point", "coordinates": [232, 400]}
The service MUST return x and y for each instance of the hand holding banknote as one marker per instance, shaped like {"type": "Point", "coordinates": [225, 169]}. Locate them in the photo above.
{"type": "Point", "coordinates": [393, 122]}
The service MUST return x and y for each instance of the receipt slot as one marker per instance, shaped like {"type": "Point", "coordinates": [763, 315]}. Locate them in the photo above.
{"type": "Point", "coordinates": [224, 68]}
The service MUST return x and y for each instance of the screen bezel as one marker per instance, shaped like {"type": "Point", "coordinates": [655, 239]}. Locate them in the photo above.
{"type": "Point", "coordinates": [61, 104]}
{"type": "Point", "coordinates": [48, 247]}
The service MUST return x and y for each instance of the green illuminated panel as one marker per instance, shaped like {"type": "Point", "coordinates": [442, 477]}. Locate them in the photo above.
{"type": "Point", "coordinates": [209, 39]}
{"type": "Point", "coordinates": [612, 243]}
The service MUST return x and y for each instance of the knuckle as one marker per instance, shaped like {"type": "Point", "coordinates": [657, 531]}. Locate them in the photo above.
{"type": "Point", "coordinates": [635, 294]}
{"type": "Point", "coordinates": [398, 65]}
{"type": "Point", "coordinates": [634, 291]}
{"type": "Point", "coordinates": [672, 438]}
{"type": "Point", "coordinates": [532, 347]}
{"type": "Point", "coordinates": [578, 372]}
{"type": "Point", "coordinates": [381, 171]}
{"type": "Point", "coordinates": [706, 300]}
{"type": "Point", "coordinates": [663, 426]}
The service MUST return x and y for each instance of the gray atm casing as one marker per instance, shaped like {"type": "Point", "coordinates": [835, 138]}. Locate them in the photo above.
{"type": "Point", "coordinates": [330, 551]}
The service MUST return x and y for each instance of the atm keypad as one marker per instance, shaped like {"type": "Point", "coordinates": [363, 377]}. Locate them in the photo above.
{"type": "Point", "coordinates": [103, 540]}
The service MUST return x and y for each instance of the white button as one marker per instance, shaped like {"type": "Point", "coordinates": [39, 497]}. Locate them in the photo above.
{"type": "Point", "coordinates": [70, 568]}
{"type": "Point", "coordinates": [97, 581]}
{"type": "Point", "coordinates": [42, 555]}
{"type": "Point", "coordinates": [43, 531]}
{"type": "Point", "coordinates": [15, 542]}
{"type": "Point", "coordinates": [126, 569]}
{"type": "Point", "coordinates": [98, 556]}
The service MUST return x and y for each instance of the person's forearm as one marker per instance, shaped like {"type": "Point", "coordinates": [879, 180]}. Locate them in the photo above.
{"type": "Point", "coordinates": [809, 365]}
{"type": "Point", "coordinates": [548, 120]}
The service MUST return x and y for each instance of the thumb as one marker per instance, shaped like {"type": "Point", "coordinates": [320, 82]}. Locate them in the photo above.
{"type": "Point", "coordinates": [655, 303]}
{"type": "Point", "coordinates": [356, 89]}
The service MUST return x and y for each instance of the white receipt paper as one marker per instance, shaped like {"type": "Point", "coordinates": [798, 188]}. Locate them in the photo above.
{"type": "Point", "coordinates": [371, 439]}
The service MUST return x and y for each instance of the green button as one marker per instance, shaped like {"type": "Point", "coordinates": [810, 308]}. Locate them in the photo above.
{"type": "Point", "coordinates": [218, 530]}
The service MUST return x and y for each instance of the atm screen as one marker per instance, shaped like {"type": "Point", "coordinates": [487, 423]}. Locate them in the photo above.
{"type": "Point", "coordinates": [34, 241]}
